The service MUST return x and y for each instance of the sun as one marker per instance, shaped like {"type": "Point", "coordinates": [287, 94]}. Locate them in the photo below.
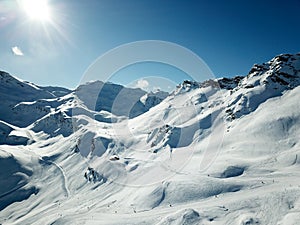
{"type": "Point", "coordinates": [37, 9]}
{"type": "Point", "coordinates": [44, 19]}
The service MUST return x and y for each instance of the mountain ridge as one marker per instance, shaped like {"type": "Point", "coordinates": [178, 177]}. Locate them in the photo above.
{"type": "Point", "coordinates": [222, 151]}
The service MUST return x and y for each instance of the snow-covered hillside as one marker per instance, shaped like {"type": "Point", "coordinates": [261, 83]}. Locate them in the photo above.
{"type": "Point", "coordinates": [223, 151]}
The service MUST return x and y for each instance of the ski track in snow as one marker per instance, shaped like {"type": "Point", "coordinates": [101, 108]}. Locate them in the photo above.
{"type": "Point", "coordinates": [63, 175]}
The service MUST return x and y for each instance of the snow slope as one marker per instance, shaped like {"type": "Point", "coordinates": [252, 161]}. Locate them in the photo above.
{"type": "Point", "coordinates": [223, 151]}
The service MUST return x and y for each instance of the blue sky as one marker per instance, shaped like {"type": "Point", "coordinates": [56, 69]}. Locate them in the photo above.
{"type": "Point", "coordinates": [230, 36]}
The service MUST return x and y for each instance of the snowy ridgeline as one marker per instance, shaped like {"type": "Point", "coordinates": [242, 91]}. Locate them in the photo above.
{"type": "Point", "coordinates": [223, 151]}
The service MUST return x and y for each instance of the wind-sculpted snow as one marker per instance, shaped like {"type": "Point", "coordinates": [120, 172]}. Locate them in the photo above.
{"type": "Point", "coordinates": [222, 151]}
{"type": "Point", "coordinates": [177, 192]}
{"type": "Point", "coordinates": [11, 135]}
{"type": "Point", "coordinates": [183, 217]}
{"type": "Point", "coordinates": [14, 176]}
{"type": "Point", "coordinates": [232, 171]}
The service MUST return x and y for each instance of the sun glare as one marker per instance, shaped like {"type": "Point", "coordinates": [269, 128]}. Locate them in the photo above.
{"type": "Point", "coordinates": [37, 9]}
{"type": "Point", "coordinates": [45, 20]}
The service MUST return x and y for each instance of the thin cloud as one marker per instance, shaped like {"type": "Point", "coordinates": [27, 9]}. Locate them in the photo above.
{"type": "Point", "coordinates": [143, 84]}
{"type": "Point", "coordinates": [17, 51]}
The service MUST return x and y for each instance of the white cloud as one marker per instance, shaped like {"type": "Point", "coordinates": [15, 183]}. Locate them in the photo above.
{"type": "Point", "coordinates": [156, 89]}
{"type": "Point", "coordinates": [143, 84]}
{"type": "Point", "coordinates": [17, 51]}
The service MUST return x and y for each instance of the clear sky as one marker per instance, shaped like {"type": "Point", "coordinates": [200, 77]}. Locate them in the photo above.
{"type": "Point", "coordinates": [57, 45]}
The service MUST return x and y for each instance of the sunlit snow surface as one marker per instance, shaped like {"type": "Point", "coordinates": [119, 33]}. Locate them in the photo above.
{"type": "Point", "coordinates": [220, 152]}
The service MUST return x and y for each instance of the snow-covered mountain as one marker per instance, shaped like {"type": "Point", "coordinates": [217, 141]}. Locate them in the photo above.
{"type": "Point", "coordinates": [223, 151]}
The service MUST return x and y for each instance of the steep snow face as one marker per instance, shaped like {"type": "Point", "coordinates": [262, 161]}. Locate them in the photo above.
{"type": "Point", "coordinates": [116, 99]}
{"type": "Point", "coordinates": [216, 152]}
{"type": "Point", "coordinates": [14, 91]}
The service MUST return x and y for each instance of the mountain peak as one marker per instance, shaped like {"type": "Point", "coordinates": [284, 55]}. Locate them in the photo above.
{"type": "Point", "coordinates": [108, 150]}
{"type": "Point", "coordinates": [283, 70]}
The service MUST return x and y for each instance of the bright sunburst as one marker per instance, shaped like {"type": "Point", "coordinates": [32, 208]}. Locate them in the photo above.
{"type": "Point", "coordinates": [37, 9]}
{"type": "Point", "coordinates": [45, 21]}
